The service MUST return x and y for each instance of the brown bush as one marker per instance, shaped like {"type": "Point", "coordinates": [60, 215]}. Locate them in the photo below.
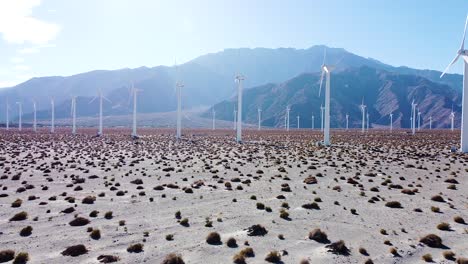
{"type": "Point", "coordinates": [432, 240]}
{"type": "Point", "coordinates": [135, 248]}
{"type": "Point", "coordinates": [213, 238]}
{"type": "Point", "coordinates": [173, 259]}
{"type": "Point", "coordinates": [273, 257]}
{"type": "Point", "coordinates": [20, 216]}
{"type": "Point", "coordinates": [79, 221]}
{"type": "Point", "coordinates": [319, 236]}
{"type": "Point", "coordinates": [7, 255]}
{"type": "Point", "coordinates": [21, 258]}
{"type": "Point", "coordinates": [338, 247]}
{"type": "Point", "coordinates": [75, 250]}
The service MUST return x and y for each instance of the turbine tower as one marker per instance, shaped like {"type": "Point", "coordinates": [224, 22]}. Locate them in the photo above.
{"type": "Point", "coordinates": [452, 118]}
{"type": "Point", "coordinates": [287, 117]}
{"type": "Point", "coordinates": [235, 119]}
{"type": "Point", "coordinates": [419, 120]}
{"type": "Point", "coordinates": [413, 117]}
{"type": "Point", "coordinates": [367, 121]}
{"type": "Point", "coordinates": [100, 96]}
{"type": "Point", "coordinates": [52, 124]}
{"type": "Point", "coordinates": [298, 122]}
{"type": "Point", "coordinates": [134, 91]}
{"type": "Point", "coordinates": [430, 122]}
{"type": "Point", "coordinates": [326, 70]}
{"type": "Point", "coordinates": [239, 79]}
{"type": "Point", "coordinates": [347, 121]}
{"type": "Point", "coordinates": [34, 117]}
{"type": "Point", "coordinates": [214, 118]}
{"type": "Point", "coordinates": [313, 122]}
{"type": "Point", "coordinates": [391, 121]}
{"type": "Point", "coordinates": [321, 117]}
{"type": "Point", "coordinates": [462, 52]}
{"type": "Point", "coordinates": [259, 111]}
{"type": "Point", "coordinates": [363, 112]}
{"type": "Point", "coordinates": [73, 113]}
{"type": "Point", "coordinates": [179, 87]}
{"type": "Point", "coordinates": [7, 116]}
{"type": "Point", "coordinates": [20, 112]}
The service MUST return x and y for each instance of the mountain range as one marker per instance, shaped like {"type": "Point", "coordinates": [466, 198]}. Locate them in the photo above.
{"type": "Point", "coordinates": [209, 79]}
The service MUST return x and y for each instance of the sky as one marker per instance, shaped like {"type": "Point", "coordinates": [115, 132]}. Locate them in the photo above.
{"type": "Point", "coordinates": [62, 38]}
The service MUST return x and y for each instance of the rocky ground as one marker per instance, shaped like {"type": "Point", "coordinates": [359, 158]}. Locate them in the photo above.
{"type": "Point", "coordinates": [370, 198]}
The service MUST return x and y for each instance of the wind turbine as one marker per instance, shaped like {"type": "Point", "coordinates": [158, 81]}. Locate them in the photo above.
{"type": "Point", "coordinates": [313, 122]}
{"type": "Point", "coordinates": [321, 117]}
{"type": "Point", "coordinates": [34, 116]}
{"type": "Point", "coordinates": [452, 118]}
{"type": "Point", "coordinates": [363, 112]}
{"type": "Point", "coordinates": [419, 120]}
{"type": "Point", "coordinates": [391, 121]}
{"type": "Point", "coordinates": [464, 119]}
{"type": "Point", "coordinates": [326, 70]}
{"type": "Point", "coordinates": [73, 113]}
{"type": "Point", "coordinates": [20, 112]}
{"type": "Point", "coordinates": [430, 122]}
{"type": "Point", "coordinates": [413, 117]}
{"type": "Point", "coordinates": [179, 87]}
{"type": "Point", "coordinates": [259, 111]}
{"type": "Point", "coordinates": [239, 79]}
{"type": "Point", "coordinates": [298, 122]}
{"type": "Point", "coordinates": [7, 116]}
{"type": "Point", "coordinates": [367, 121]}
{"type": "Point", "coordinates": [134, 91]}
{"type": "Point", "coordinates": [100, 96]}
{"type": "Point", "coordinates": [347, 121]}
{"type": "Point", "coordinates": [52, 124]}
{"type": "Point", "coordinates": [214, 118]}
{"type": "Point", "coordinates": [287, 117]}
{"type": "Point", "coordinates": [235, 119]}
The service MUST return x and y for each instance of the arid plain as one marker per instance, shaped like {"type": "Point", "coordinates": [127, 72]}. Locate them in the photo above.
{"type": "Point", "coordinates": [377, 197]}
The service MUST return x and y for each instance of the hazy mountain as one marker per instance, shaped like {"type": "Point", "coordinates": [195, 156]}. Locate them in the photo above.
{"type": "Point", "coordinates": [208, 79]}
{"type": "Point", "coordinates": [384, 92]}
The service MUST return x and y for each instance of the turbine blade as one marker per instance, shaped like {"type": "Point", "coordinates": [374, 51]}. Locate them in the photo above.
{"type": "Point", "coordinates": [92, 100]}
{"type": "Point", "coordinates": [465, 58]}
{"type": "Point", "coordinates": [462, 47]}
{"type": "Point", "coordinates": [321, 82]}
{"type": "Point", "coordinates": [105, 98]}
{"type": "Point", "coordinates": [450, 65]}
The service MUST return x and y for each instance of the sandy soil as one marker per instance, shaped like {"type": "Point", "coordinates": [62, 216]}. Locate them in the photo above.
{"type": "Point", "coordinates": [210, 178]}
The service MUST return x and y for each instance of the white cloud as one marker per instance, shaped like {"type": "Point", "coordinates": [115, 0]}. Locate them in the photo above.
{"type": "Point", "coordinates": [21, 67]}
{"type": "Point", "coordinates": [17, 60]}
{"type": "Point", "coordinates": [17, 25]}
{"type": "Point", "coordinates": [35, 49]}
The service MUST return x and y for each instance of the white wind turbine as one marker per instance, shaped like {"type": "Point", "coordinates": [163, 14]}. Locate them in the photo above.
{"type": "Point", "coordinates": [367, 116]}
{"type": "Point", "coordinates": [134, 91]}
{"type": "Point", "coordinates": [288, 109]}
{"type": "Point", "coordinates": [100, 96]}
{"type": "Point", "coordinates": [73, 114]}
{"type": "Point", "coordinates": [52, 124]}
{"type": "Point", "coordinates": [347, 121]}
{"type": "Point", "coordinates": [313, 122]}
{"type": "Point", "coordinates": [430, 122]}
{"type": "Point", "coordinates": [179, 87]}
{"type": "Point", "coordinates": [20, 113]}
{"type": "Point", "coordinates": [452, 118]}
{"type": "Point", "coordinates": [7, 116]}
{"type": "Point", "coordinates": [298, 122]}
{"type": "Point", "coordinates": [363, 112]}
{"type": "Point", "coordinates": [326, 70]}
{"type": "Point", "coordinates": [239, 79]}
{"type": "Point", "coordinates": [235, 119]}
{"type": "Point", "coordinates": [321, 117]}
{"type": "Point", "coordinates": [214, 118]}
{"type": "Point", "coordinates": [259, 112]}
{"type": "Point", "coordinates": [462, 52]}
{"type": "Point", "coordinates": [34, 117]}
{"type": "Point", "coordinates": [391, 121]}
{"type": "Point", "coordinates": [419, 120]}
{"type": "Point", "coordinates": [413, 117]}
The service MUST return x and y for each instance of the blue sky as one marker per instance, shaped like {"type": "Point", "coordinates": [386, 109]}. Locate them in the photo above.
{"type": "Point", "coordinates": [56, 37]}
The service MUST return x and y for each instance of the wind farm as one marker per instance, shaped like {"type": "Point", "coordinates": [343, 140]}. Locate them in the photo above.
{"type": "Point", "coordinates": [245, 155]}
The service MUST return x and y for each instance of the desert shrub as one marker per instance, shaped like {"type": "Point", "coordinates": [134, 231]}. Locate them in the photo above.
{"type": "Point", "coordinates": [313, 205]}
{"type": "Point", "coordinates": [448, 255]}
{"type": "Point", "coordinates": [26, 231]}
{"type": "Point", "coordinates": [21, 258]}
{"type": "Point", "coordinates": [393, 204]}
{"type": "Point", "coordinates": [427, 257]}
{"type": "Point", "coordinates": [79, 221]}
{"type": "Point", "coordinates": [95, 234]}
{"type": "Point", "coordinates": [363, 251]}
{"type": "Point", "coordinates": [89, 200]}
{"type": "Point", "coordinates": [459, 219]}
{"type": "Point", "coordinates": [135, 248]}
{"type": "Point", "coordinates": [20, 216]}
{"type": "Point", "coordinates": [260, 206]}
{"type": "Point", "coordinates": [319, 236]}
{"type": "Point", "coordinates": [338, 247]}
{"type": "Point", "coordinates": [16, 203]}
{"type": "Point", "coordinates": [256, 230]}
{"type": "Point", "coordinates": [247, 252]}
{"type": "Point", "coordinates": [273, 257]}
{"type": "Point", "coordinates": [108, 258]}
{"type": "Point", "coordinates": [173, 259]}
{"type": "Point", "coordinates": [213, 238]}
{"type": "Point", "coordinates": [432, 240]}
{"type": "Point", "coordinates": [437, 198]}
{"type": "Point", "coordinates": [108, 215]}
{"type": "Point", "coordinates": [7, 255]}
{"type": "Point", "coordinates": [394, 252]}
{"type": "Point", "coordinates": [284, 214]}
{"type": "Point", "coordinates": [435, 209]}
{"type": "Point", "coordinates": [94, 213]}
{"type": "Point", "coordinates": [231, 242]}
{"type": "Point", "coordinates": [443, 226]}
{"type": "Point", "coordinates": [75, 250]}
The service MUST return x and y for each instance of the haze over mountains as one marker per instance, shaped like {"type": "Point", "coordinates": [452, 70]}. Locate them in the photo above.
{"type": "Point", "coordinates": [279, 77]}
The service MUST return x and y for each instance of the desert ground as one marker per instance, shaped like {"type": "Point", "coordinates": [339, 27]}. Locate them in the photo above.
{"type": "Point", "coordinates": [276, 198]}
